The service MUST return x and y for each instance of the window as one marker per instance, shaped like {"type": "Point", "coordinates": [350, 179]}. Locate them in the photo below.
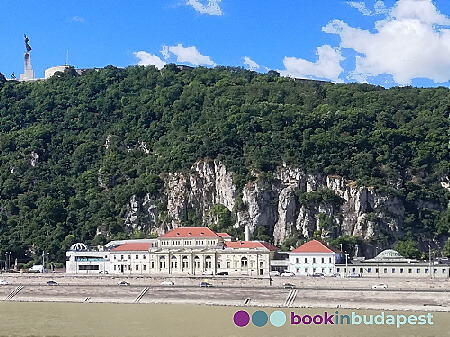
{"type": "Point", "coordinates": [409, 270]}
{"type": "Point", "coordinates": [426, 270]}
{"type": "Point", "coordinates": [88, 267]}
{"type": "Point", "coordinates": [184, 262]}
{"type": "Point", "coordinates": [196, 262]}
{"type": "Point", "coordinates": [153, 264]}
{"type": "Point", "coordinates": [228, 264]}
{"type": "Point", "coordinates": [353, 270]}
{"type": "Point", "coordinates": [314, 260]}
{"type": "Point", "coordinates": [114, 267]}
{"type": "Point", "coordinates": [208, 263]}
{"type": "Point", "coordinates": [377, 270]}
{"type": "Point", "coordinates": [114, 257]}
{"type": "Point", "coordinates": [145, 267]}
{"type": "Point", "coordinates": [418, 271]}
{"type": "Point", "coordinates": [401, 270]}
{"type": "Point", "coordinates": [174, 263]}
{"type": "Point", "coordinates": [306, 260]}
{"type": "Point", "coordinates": [393, 270]}
{"type": "Point", "coordinates": [137, 267]}
{"type": "Point", "coordinates": [338, 270]}
{"type": "Point", "coordinates": [144, 257]}
{"type": "Point", "coordinates": [137, 257]}
{"type": "Point", "coordinates": [385, 270]}
{"type": "Point", "coordinates": [329, 260]}
{"type": "Point", "coordinates": [361, 270]}
{"type": "Point", "coordinates": [244, 262]}
{"type": "Point", "coordinates": [162, 262]}
{"type": "Point", "coordinates": [443, 271]}
{"type": "Point", "coordinates": [297, 260]}
{"type": "Point", "coordinates": [121, 257]}
{"type": "Point", "coordinates": [323, 260]}
{"type": "Point", "coordinates": [129, 257]}
{"type": "Point", "coordinates": [369, 270]}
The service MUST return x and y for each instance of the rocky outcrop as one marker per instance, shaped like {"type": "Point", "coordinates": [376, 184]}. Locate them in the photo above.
{"type": "Point", "coordinates": [274, 203]}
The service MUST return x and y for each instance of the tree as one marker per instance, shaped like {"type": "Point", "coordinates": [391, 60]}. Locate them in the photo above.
{"type": "Point", "coordinates": [408, 249]}
{"type": "Point", "coordinates": [446, 250]}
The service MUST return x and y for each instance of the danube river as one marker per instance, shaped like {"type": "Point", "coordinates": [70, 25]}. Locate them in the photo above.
{"type": "Point", "coordinates": [178, 320]}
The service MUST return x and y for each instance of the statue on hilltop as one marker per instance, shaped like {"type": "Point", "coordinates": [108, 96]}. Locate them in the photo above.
{"type": "Point", "coordinates": [27, 46]}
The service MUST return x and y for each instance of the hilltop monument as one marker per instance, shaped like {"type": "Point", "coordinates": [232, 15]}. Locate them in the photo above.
{"type": "Point", "coordinates": [28, 69]}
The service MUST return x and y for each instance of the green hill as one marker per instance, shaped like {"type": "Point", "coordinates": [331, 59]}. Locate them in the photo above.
{"type": "Point", "coordinates": [75, 149]}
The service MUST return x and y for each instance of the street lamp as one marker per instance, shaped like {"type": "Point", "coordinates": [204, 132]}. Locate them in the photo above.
{"type": "Point", "coordinates": [346, 264]}
{"type": "Point", "coordinates": [7, 260]}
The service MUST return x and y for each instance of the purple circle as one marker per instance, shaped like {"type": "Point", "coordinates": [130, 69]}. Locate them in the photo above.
{"type": "Point", "coordinates": [241, 318]}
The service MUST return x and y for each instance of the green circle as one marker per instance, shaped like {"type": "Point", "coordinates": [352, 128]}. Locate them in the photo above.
{"type": "Point", "coordinates": [277, 318]}
{"type": "Point", "coordinates": [259, 318]}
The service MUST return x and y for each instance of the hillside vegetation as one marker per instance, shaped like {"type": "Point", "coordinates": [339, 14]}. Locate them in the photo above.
{"type": "Point", "coordinates": [74, 149]}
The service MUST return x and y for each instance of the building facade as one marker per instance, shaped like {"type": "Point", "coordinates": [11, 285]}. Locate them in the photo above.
{"type": "Point", "coordinates": [182, 251]}
{"type": "Point", "coordinates": [314, 257]}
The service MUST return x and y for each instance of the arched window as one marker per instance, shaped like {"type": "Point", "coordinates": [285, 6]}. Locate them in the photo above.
{"type": "Point", "coordinates": [162, 262]}
{"type": "Point", "coordinates": [208, 262]}
{"type": "Point", "coordinates": [174, 263]}
{"type": "Point", "coordinates": [185, 262]}
{"type": "Point", "coordinates": [244, 262]}
{"type": "Point", "coordinates": [196, 261]}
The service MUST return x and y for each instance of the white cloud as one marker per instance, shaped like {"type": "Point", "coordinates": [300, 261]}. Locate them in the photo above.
{"type": "Point", "coordinates": [407, 44]}
{"type": "Point", "coordinates": [212, 8]}
{"type": "Point", "coordinates": [326, 67]}
{"type": "Point", "coordinates": [378, 8]}
{"type": "Point", "coordinates": [77, 19]}
{"type": "Point", "coordinates": [361, 6]}
{"type": "Point", "coordinates": [165, 52]}
{"type": "Point", "coordinates": [147, 59]}
{"type": "Point", "coordinates": [249, 62]}
{"type": "Point", "coordinates": [187, 54]}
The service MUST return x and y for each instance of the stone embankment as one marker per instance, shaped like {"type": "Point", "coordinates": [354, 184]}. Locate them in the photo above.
{"type": "Point", "coordinates": [417, 295]}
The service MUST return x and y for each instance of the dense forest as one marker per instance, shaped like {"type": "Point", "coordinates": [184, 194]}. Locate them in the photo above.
{"type": "Point", "coordinates": [74, 149]}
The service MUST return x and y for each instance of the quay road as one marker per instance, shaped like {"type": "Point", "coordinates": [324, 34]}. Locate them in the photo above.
{"type": "Point", "coordinates": [243, 287]}
{"type": "Point", "coordinates": [348, 296]}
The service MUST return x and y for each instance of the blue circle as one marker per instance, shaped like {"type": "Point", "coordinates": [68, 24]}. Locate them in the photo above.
{"type": "Point", "coordinates": [259, 318]}
{"type": "Point", "coordinates": [277, 318]}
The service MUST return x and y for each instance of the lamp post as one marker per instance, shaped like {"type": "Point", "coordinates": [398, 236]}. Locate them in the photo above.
{"type": "Point", "coordinates": [429, 260]}
{"type": "Point", "coordinates": [346, 264]}
{"type": "Point", "coordinates": [7, 260]}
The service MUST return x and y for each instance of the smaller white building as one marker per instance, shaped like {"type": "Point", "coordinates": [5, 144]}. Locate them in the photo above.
{"type": "Point", "coordinates": [314, 257]}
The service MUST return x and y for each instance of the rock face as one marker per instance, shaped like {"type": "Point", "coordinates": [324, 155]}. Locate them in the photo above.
{"type": "Point", "coordinates": [273, 203]}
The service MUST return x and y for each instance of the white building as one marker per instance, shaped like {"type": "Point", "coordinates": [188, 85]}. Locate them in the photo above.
{"type": "Point", "coordinates": [314, 257]}
{"type": "Point", "coordinates": [182, 251]}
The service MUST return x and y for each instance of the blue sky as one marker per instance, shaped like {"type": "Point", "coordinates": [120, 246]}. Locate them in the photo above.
{"type": "Point", "coordinates": [404, 42]}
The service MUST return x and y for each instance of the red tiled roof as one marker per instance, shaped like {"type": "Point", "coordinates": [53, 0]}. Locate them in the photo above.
{"type": "Point", "coordinates": [190, 232]}
{"type": "Point", "coordinates": [315, 246]}
{"type": "Point", "coordinates": [131, 247]}
{"type": "Point", "coordinates": [224, 235]}
{"type": "Point", "coordinates": [250, 244]}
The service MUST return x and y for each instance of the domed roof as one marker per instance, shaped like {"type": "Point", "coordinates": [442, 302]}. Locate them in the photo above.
{"type": "Point", "coordinates": [389, 254]}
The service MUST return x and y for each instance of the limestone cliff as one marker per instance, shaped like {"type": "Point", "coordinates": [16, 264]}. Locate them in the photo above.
{"type": "Point", "coordinates": [274, 203]}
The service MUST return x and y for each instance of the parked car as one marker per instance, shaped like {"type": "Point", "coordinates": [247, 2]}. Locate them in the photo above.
{"type": "Point", "coordinates": [3, 283]}
{"type": "Point", "coordinates": [318, 275]}
{"type": "Point", "coordinates": [123, 283]}
{"type": "Point", "coordinates": [206, 284]}
{"type": "Point", "coordinates": [222, 273]}
{"type": "Point", "coordinates": [333, 275]}
{"type": "Point", "coordinates": [208, 272]}
{"type": "Point", "coordinates": [103, 272]}
{"type": "Point", "coordinates": [274, 273]}
{"type": "Point", "coordinates": [353, 275]}
{"type": "Point", "coordinates": [288, 286]}
{"type": "Point", "coordinates": [52, 283]}
{"type": "Point", "coordinates": [287, 273]}
{"type": "Point", "coordinates": [167, 283]}
{"type": "Point", "coordinates": [380, 286]}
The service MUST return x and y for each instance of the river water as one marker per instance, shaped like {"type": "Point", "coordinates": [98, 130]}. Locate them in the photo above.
{"type": "Point", "coordinates": [175, 320]}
